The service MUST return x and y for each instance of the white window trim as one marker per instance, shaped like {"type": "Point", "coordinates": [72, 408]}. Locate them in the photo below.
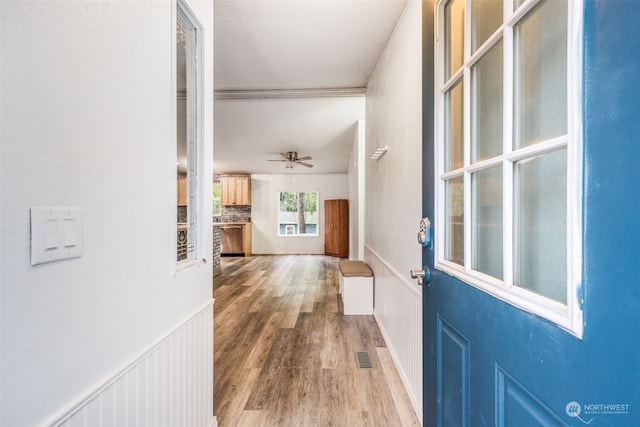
{"type": "Point", "coordinates": [569, 316]}
{"type": "Point", "coordinates": [195, 194]}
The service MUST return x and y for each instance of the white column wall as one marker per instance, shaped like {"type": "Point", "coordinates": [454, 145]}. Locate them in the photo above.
{"type": "Point", "coordinates": [357, 166]}
{"type": "Point", "coordinates": [88, 119]}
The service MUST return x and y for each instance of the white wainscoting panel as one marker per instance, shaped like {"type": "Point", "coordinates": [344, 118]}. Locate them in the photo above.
{"type": "Point", "coordinates": [398, 311]}
{"type": "Point", "coordinates": [170, 384]}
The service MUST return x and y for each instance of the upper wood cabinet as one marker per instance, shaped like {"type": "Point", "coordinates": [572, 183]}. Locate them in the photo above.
{"type": "Point", "coordinates": [235, 190]}
{"type": "Point", "coordinates": [182, 191]}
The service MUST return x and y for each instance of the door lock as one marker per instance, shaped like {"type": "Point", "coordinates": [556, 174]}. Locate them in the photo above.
{"type": "Point", "coordinates": [424, 235]}
{"type": "Point", "coordinates": [422, 276]}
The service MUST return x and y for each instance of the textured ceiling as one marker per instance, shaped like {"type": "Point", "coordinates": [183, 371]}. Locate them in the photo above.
{"type": "Point", "coordinates": [287, 57]}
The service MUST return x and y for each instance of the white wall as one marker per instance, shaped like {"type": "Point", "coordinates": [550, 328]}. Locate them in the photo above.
{"type": "Point", "coordinates": [320, 127]}
{"type": "Point", "coordinates": [394, 195]}
{"type": "Point", "coordinates": [264, 210]}
{"type": "Point", "coordinates": [88, 120]}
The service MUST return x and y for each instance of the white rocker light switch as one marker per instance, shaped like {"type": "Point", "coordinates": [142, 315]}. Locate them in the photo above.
{"type": "Point", "coordinates": [56, 233]}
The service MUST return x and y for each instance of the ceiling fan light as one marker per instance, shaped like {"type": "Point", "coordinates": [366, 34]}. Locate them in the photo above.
{"type": "Point", "coordinates": [291, 159]}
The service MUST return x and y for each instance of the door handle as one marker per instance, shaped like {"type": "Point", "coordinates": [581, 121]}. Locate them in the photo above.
{"type": "Point", "coordinates": [421, 276]}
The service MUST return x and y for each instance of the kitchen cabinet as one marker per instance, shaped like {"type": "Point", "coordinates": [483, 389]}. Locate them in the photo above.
{"type": "Point", "coordinates": [246, 239]}
{"type": "Point", "coordinates": [336, 228]}
{"type": "Point", "coordinates": [235, 190]}
{"type": "Point", "coordinates": [182, 191]}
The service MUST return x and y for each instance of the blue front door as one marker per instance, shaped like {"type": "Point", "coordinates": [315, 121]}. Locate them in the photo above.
{"type": "Point", "coordinates": [487, 362]}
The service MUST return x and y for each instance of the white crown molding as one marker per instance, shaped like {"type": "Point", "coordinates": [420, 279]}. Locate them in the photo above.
{"type": "Point", "coordinates": [289, 93]}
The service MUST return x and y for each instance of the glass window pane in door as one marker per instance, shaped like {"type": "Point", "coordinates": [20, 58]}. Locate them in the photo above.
{"type": "Point", "coordinates": [487, 222]}
{"type": "Point", "coordinates": [541, 74]}
{"type": "Point", "coordinates": [186, 121]}
{"type": "Point", "coordinates": [454, 35]}
{"type": "Point", "coordinates": [486, 18]}
{"type": "Point", "coordinates": [454, 149]}
{"type": "Point", "coordinates": [454, 246]}
{"type": "Point", "coordinates": [540, 222]}
{"type": "Point", "coordinates": [486, 113]}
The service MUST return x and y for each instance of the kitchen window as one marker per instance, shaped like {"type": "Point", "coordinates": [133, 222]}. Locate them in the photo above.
{"type": "Point", "coordinates": [509, 151]}
{"type": "Point", "coordinates": [297, 213]}
{"type": "Point", "coordinates": [189, 121]}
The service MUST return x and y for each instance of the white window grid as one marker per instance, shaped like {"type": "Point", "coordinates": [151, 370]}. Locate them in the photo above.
{"type": "Point", "coordinates": [568, 316]}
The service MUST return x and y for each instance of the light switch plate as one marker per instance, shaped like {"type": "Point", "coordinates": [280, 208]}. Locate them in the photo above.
{"type": "Point", "coordinates": [56, 233]}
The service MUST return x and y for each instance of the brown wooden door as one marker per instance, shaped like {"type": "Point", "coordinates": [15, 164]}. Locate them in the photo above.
{"type": "Point", "coordinates": [336, 228]}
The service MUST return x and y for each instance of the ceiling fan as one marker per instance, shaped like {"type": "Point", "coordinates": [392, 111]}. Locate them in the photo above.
{"type": "Point", "coordinates": [291, 157]}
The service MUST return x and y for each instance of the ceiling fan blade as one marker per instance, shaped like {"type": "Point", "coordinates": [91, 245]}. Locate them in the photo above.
{"type": "Point", "coordinates": [305, 164]}
{"type": "Point", "coordinates": [285, 155]}
{"type": "Point", "coordinates": [277, 160]}
{"type": "Point", "coordinates": [305, 158]}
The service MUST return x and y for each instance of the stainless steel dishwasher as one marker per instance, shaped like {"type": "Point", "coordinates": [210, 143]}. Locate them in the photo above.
{"type": "Point", "coordinates": [231, 240]}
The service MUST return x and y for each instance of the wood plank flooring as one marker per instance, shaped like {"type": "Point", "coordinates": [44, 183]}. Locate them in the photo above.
{"type": "Point", "coordinates": [284, 354]}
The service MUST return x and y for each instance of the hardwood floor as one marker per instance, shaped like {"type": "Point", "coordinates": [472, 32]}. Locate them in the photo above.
{"type": "Point", "coordinates": [284, 354]}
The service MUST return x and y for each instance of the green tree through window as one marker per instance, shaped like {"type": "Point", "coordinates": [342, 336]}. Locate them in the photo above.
{"type": "Point", "coordinates": [217, 207]}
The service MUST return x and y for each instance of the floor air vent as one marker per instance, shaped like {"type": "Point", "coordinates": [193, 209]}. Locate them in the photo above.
{"type": "Point", "coordinates": [364, 362]}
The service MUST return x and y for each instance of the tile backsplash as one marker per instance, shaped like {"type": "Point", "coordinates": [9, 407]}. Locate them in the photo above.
{"type": "Point", "coordinates": [234, 214]}
{"type": "Point", "coordinates": [229, 214]}
{"type": "Point", "coordinates": [216, 250]}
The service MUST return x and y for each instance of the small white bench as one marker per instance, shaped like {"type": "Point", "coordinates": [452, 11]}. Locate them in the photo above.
{"type": "Point", "coordinates": [356, 287]}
